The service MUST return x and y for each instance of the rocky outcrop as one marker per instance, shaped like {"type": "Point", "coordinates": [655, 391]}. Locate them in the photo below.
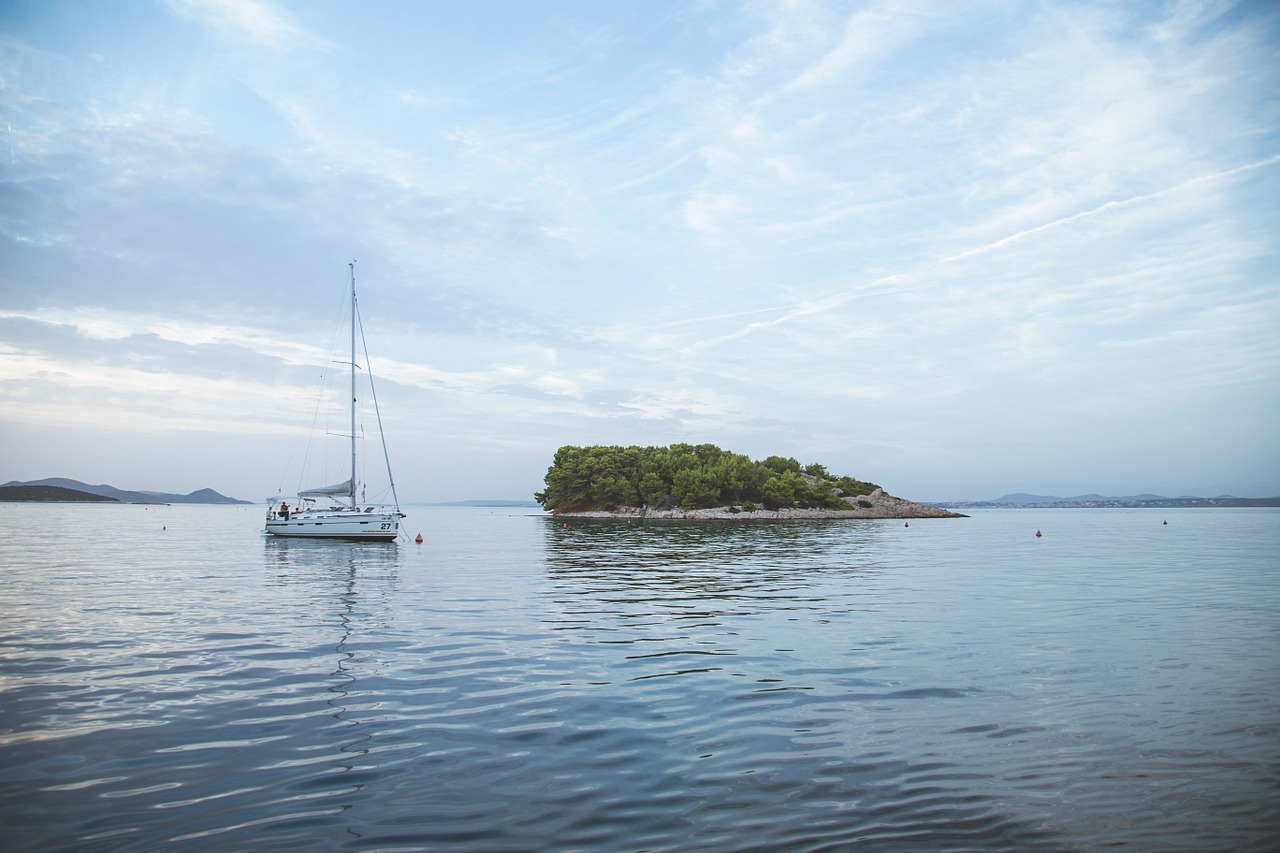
{"type": "Point", "coordinates": [878, 504]}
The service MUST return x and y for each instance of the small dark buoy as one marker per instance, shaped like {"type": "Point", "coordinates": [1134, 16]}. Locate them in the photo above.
{"type": "Point", "coordinates": [906, 524]}
{"type": "Point", "coordinates": [1164, 522]}
{"type": "Point", "coordinates": [1037, 534]}
{"type": "Point", "coordinates": [418, 539]}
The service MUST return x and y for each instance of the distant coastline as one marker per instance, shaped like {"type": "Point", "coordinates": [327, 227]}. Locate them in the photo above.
{"type": "Point", "coordinates": [1023, 501]}
{"type": "Point", "coordinates": [491, 502]}
{"type": "Point", "coordinates": [50, 494]}
{"type": "Point", "coordinates": [62, 490]}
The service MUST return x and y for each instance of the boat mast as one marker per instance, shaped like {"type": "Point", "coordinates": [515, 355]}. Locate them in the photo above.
{"type": "Point", "coordinates": [353, 384]}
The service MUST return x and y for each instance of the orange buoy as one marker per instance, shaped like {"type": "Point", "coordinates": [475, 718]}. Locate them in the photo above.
{"type": "Point", "coordinates": [419, 539]}
{"type": "Point", "coordinates": [1037, 534]}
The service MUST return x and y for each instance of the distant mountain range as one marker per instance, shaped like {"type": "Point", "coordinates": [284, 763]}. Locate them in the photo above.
{"type": "Point", "coordinates": [62, 489]}
{"type": "Point", "coordinates": [1021, 499]}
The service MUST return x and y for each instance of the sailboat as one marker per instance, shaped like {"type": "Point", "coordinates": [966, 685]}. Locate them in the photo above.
{"type": "Point", "coordinates": [333, 512]}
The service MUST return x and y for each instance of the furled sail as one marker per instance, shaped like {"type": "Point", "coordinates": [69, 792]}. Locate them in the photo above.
{"type": "Point", "coordinates": [343, 488]}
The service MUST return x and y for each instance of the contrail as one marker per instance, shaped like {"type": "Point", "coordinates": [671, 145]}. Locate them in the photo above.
{"type": "Point", "coordinates": [1110, 205]}
{"type": "Point", "coordinates": [795, 310]}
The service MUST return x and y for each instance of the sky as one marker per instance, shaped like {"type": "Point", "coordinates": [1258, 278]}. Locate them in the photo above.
{"type": "Point", "coordinates": [956, 249]}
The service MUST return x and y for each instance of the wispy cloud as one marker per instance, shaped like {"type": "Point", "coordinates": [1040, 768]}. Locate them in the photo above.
{"type": "Point", "coordinates": [256, 21]}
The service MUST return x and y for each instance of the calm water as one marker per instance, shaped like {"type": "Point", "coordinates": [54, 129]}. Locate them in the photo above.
{"type": "Point", "coordinates": [169, 679]}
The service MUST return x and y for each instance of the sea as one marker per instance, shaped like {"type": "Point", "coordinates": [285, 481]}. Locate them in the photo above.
{"type": "Point", "coordinates": [172, 679]}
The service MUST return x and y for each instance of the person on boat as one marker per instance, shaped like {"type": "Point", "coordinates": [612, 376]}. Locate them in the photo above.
{"type": "Point", "coordinates": [284, 510]}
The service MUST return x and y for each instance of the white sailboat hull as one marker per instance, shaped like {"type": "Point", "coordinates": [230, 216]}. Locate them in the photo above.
{"type": "Point", "coordinates": [338, 524]}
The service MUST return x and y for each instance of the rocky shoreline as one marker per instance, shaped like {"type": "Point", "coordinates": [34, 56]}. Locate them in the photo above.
{"type": "Point", "coordinates": [878, 504]}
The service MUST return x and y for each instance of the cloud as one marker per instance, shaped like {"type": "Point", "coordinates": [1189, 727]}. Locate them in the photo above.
{"type": "Point", "coordinates": [137, 219]}
{"type": "Point", "coordinates": [869, 34]}
{"type": "Point", "coordinates": [889, 230]}
{"type": "Point", "coordinates": [255, 21]}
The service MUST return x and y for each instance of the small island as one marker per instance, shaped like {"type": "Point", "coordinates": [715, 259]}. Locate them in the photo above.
{"type": "Point", "coordinates": [704, 482]}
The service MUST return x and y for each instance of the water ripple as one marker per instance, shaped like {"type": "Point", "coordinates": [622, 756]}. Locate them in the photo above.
{"type": "Point", "coordinates": [518, 683]}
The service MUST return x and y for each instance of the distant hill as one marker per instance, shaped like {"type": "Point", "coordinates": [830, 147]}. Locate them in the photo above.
{"type": "Point", "coordinates": [202, 496]}
{"type": "Point", "coordinates": [1022, 499]}
{"type": "Point", "coordinates": [47, 494]}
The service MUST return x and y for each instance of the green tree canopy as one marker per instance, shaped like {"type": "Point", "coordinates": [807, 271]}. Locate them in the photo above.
{"type": "Point", "coordinates": [689, 476]}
